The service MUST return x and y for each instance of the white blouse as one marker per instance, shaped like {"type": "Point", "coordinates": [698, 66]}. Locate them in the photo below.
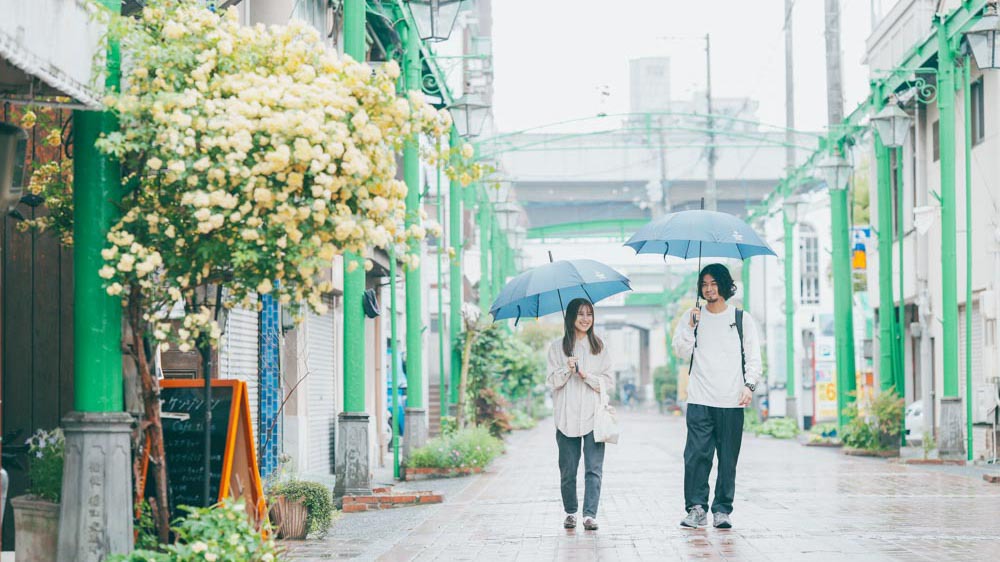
{"type": "Point", "coordinates": [575, 398]}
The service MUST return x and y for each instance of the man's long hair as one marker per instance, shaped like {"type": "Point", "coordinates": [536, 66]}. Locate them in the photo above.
{"type": "Point", "coordinates": [719, 272]}
{"type": "Point", "coordinates": [569, 322]}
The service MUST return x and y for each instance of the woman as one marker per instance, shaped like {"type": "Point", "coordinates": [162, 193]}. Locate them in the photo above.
{"type": "Point", "coordinates": [578, 366]}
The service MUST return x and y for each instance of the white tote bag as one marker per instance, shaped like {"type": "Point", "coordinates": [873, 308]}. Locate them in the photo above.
{"type": "Point", "coordinates": [606, 428]}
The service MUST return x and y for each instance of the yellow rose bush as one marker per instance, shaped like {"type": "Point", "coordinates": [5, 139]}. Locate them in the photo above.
{"type": "Point", "coordinates": [252, 156]}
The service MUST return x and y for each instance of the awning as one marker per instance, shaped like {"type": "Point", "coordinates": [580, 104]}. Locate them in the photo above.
{"type": "Point", "coordinates": [47, 48]}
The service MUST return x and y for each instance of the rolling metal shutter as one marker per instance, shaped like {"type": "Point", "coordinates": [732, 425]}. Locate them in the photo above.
{"type": "Point", "coordinates": [238, 355]}
{"type": "Point", "coordinates": [321, 371]}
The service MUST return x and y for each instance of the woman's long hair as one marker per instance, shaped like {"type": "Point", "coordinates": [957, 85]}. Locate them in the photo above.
{"type": "Point", "coordinates": [569, 322]}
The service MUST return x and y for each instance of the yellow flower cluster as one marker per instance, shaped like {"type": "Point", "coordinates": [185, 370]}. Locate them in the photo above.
{"type": "Point", "coordinates": [255, 156]}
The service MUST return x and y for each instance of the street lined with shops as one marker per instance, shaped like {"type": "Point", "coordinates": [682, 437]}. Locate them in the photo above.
{"type": "Point", "coordinates": [792, 503]}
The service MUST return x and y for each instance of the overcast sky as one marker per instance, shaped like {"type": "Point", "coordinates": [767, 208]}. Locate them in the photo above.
{"type": "Point", "coordinates": [551, 57]}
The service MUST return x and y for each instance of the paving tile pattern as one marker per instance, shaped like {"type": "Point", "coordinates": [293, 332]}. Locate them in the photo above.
{"type": "Point", "coordinates": [792, 503]}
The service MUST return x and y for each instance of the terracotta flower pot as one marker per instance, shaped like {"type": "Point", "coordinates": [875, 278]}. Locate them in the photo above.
{"type": "Point", "coordinates": [36, 528]}
{"type": "Point", "coordinates": [289, 517]}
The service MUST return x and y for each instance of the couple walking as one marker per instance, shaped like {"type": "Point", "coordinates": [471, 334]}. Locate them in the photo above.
{"type": "Point", "coordinates": [722, 345]}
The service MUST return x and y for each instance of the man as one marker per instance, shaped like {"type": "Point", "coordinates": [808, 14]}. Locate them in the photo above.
{"type": "Point", "coordinates": [724, 351]}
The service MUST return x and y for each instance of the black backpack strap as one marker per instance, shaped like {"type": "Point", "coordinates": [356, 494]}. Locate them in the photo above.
{"type": "Point", "coordinates": [739, 330]}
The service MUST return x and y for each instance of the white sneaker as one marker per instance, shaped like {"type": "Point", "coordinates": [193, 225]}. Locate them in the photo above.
{"type": "Point", "coordinates": [570, 521]}
{"type": "Point", "coordinates": [589, 524]}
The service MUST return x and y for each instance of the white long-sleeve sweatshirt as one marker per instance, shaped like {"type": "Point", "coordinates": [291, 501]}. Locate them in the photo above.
{"type": "Point", "coordinates": [717, 376]}
{"type": "Point", "coordinates": [575, 399]}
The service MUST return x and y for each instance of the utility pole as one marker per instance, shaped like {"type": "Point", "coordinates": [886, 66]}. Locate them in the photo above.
{"type": "Point", "coordinates": [711, 190]}
{"type": "Point", "coordinates": [791, 409]}
{"type": "Point", "coordinates": [843, 291]}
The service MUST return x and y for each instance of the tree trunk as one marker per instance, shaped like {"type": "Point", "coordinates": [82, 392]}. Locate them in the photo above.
{"type": "Point", "coordinates": [152, 424]}
{"type": "Point", "coordinates": [464, 379]}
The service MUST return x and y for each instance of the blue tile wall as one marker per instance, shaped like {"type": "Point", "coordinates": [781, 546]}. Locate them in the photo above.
{"type": "Point", "coordinates": [269, 432]}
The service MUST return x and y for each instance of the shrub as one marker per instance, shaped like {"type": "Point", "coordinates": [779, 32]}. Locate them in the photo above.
{"type": "Point", "coordinates": [521, 420]}
{"type": "Point", "coordinates": [751, 420]}
{"type": "Point", "coordinates": [491, 411]}
{"type": "Point", "coordinates": [878, 431]}
{"type": "Point", "coordinates": [449, 425]}
{"type": "Point", "coordinates": [221, 533]}
{"type": "Point", "coordinates": [779, 428]}
{"type": "Point", "coordinates": [315, 496]}
{"type": "Point", "coordinates": [824, 433]}
{"type": "Point", "coordinates": [46, 453]}
{"type": "Point", "coordinates": [466, 448]}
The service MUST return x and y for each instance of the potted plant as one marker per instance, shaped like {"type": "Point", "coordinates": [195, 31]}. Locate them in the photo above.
{"type": "Point", "coordinates": [300, 508]}
{"type": "Point", "coordinates": [36, 514]}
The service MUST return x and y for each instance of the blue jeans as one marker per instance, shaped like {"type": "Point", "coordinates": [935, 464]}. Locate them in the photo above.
{"type": "Point", "coordinates": [593, 464]}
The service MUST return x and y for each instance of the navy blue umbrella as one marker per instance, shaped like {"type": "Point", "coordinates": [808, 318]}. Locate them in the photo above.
{"type": "Point", "coordinates": [699, 233]}
{"type": "Point", "coordinates": [549, 288]}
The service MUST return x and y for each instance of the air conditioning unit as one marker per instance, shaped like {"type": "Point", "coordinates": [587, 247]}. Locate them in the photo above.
{"type": "Point", "coordinates": [985, 399]}
{"type": "Point", "coordinates": [13, 147]}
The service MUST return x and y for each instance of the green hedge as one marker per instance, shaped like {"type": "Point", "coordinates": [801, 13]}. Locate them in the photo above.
{"type": "Point", "coordinates": [466, 448]}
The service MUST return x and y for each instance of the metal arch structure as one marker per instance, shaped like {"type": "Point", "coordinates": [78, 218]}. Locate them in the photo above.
{"type": "Point", "coordinates": [639, 124]}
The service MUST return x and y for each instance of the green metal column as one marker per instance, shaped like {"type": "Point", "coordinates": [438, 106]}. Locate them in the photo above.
{"type": "Point", "coordinates": [442, 250]}
{"type": "Point", "coordinates": [455, 280]}
{"type": "Point", "coordinates": [484, 217]}
{"type": "Point", "coordinates": [843, 305]}
{"type": "Point", "coordinates": [968, 255]}
{"type": "Point", "coordinates": [789, 307]}
{"type": "Point", "coordinates": [901, 310]}
{"type": "Point", "coordinates": [949, 265]}
{"type": "Point", "coordinates": [98, 317]}
{"type": "Point", "coordinates": [414, 293]}
{"type": "Point", "coordinates": [886, 308]}
{"type": "Point", "coordinates": [394, 347]}
{"type": "Point", "coordinates": [354, 275]}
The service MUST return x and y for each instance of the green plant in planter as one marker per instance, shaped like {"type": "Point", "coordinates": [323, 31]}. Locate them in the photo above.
{"type": "Point", "coordinates": [467, 448]}
{"type": "Point", "coordinates": [221, 533]}
{"type": "Point", "coordinates": [928, 444]}
{"type": "Point", "coordinates": [46, 454]}
{"type": "Point", "coordinates": [887, 409]}
{"type": "Point", "coordinates": [779, 428]}
{"type": "Point", "coordinates": [317, 499]}
{"type": "Point", "coordinates": [449, 425]}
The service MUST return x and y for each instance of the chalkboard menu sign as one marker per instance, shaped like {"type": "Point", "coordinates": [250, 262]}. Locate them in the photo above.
{"type": "Point", "coordinates": [233, 467]}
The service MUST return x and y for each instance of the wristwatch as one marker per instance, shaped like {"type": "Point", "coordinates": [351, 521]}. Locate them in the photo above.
{"type": "Point", "coordinates": [752, 387]}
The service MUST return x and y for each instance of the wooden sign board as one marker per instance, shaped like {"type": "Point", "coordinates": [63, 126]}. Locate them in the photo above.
{"type": "Point", "coordinates": [233, 468]}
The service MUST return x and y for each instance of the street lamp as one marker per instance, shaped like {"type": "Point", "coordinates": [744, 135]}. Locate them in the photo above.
{"type": "Point", "coordinates": [836, 171]}
{"type": "Point", "coordinates": [892, 125]}
{"type": "Point", "coordinates": [435, 18]}
{"type": "Point", "coordinates": [794, 207]}
{"type": "Point", "coordinates": [13, 146]}
{"type": "Point", "coordinates": [982, 38]}
{"type": "Point", "coordinates": [469, 113]}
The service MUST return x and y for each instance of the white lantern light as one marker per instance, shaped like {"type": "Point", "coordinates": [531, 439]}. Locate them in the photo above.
{"type": "Point", "coordinates": [469, 114]}
{"type": "Point", "coordinates": [892, 125]}
{"type": "Point", "coordinates": [435, 18]}
{"type": "Point", "coordinates": [836, 171]}
{"type": "Point", "coordinates": [982, 39]}
{"type": "Point", "coordinates": [13, 148]}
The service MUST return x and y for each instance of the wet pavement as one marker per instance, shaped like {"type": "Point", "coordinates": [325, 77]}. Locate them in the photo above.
{"type": "Point", "coordinates": [792, 503]}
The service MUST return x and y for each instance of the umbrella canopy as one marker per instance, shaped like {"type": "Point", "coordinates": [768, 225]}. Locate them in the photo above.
{"type": "Point", "coordinates": [699, 233]}
{"type": "Point", "coordinates": [550, 287]}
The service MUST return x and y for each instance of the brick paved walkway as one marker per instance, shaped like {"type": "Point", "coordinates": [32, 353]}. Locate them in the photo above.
{"type": "Point", "coordinates": [792, 503]}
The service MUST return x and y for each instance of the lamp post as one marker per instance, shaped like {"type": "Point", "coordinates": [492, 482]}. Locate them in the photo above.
{"type": "Point", "coordinates": [352, 423]}
{"type": "Point", "coordinates": [837, 172]}
{"type": "Point", "coordinates": [791, 213]}
{"type": "Point", "coordinates": [435, 19]}
{"type": "Point", "coordinates": [455, 277]}
{"type": "Point", "coordinates": [892, 126]}
{"type": "Point", "coordinates": [982, 38]}
{"type": "Point", "coordinates": [469, 114]}
{"type": "Point", "coordinates": [950, 439]}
